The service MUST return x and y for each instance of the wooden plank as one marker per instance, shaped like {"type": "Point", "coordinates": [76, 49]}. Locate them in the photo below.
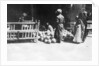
{"type": "Point", "coordinates": [21, 23]}
{"type": "Point", "coordinates": [28, 38]}
{"type": "Point", "coordinates": [11, 38]}
{"type": "Point", "coordinates": [15, 31]}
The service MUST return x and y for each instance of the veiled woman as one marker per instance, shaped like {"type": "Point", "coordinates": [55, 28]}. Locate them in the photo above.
{"type": "Point", "coordinates": [79, 30]}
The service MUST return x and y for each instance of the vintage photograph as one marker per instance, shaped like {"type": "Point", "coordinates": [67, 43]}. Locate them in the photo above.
{"type": "Point", "coordinates": [49, 32]}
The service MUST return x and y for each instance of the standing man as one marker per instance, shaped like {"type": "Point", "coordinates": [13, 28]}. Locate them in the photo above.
{"type": "Point", "coordinates": [83, 17]}
{"type": "Point", "coordinates": [59, 25]}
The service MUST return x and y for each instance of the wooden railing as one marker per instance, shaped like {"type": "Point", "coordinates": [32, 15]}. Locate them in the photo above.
{"type": "Point", "coordinates": [28, 30]}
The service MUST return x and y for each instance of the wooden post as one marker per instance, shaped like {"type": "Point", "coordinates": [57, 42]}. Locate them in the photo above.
{"type": "Point", "coordinates": [23, 35]}
{"type": "Point", "coordinates": [14, 26]}
{"type": "Point", "coordinates": [18, 35]}
{"type": "Point", "coordinates": [31, 34]}
{"type": "Point", "coordinates": [10, 26]}
{"type": "Point", "coordinates": [9, 35]}
{"type": "Point", "coordinates": [28, 34]}
{"type": "Point", "coordinates": [30, 26]}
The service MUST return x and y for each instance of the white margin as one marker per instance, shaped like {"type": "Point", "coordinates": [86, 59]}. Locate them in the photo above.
{"type": "Point", "coordinates": [4, 35]}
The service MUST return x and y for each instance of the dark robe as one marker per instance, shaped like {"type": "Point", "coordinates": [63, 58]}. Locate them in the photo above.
{"type": "Point", "coordinates": [83, 17]}
{"type": "Point", "coordinates": [59, 27]}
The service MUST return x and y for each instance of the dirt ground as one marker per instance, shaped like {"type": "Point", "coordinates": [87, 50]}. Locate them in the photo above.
{"type": "Point", "coordinates": [40, 51]}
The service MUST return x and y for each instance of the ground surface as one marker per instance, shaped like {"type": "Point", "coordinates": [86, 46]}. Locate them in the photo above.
{"type": "Point", "coordinates": [50, 52]}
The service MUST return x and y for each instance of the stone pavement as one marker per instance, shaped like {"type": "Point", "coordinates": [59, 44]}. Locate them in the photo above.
{"type": "Point", "coordinates": [40, 51]}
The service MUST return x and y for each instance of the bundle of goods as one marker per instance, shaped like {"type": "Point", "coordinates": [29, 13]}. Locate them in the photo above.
{"type": "Point", "coordinates": [46, 36]}
{"type": "Point", "coordinates": [67, 35]}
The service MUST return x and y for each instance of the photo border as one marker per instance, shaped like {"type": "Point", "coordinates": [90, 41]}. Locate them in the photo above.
{"type": "Point", "coordinates": [3, 24]}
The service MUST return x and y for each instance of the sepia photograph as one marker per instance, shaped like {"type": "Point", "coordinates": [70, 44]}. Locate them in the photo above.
{"type": "Point", "coordinates": [49, 32]}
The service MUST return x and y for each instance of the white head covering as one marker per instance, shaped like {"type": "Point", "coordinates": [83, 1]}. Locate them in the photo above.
{"type": "Point", "coordinates": [59, 10]}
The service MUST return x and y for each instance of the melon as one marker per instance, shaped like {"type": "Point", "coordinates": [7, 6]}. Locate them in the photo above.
{"type": "Point", "coordinates": [49, 41]}
{"type": "Point", "coordinates": [53, 40]}
{"type": "Point", "coordinates": [46, 40]}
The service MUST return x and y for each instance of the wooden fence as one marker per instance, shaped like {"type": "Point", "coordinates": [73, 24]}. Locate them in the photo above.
{"type": "Point", "coordinates": [28, 30]}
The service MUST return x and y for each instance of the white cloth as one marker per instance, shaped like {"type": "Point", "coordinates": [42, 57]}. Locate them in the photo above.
{"type": "Point", "coordinates": [77, 37]}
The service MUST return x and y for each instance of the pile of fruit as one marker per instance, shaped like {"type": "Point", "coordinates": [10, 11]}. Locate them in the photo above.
{"type": "Point", "coordinates": [46, 36]}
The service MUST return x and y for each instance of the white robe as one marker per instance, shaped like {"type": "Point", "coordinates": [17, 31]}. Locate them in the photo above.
{"type": "Point", "coordinates": [78, 36]}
